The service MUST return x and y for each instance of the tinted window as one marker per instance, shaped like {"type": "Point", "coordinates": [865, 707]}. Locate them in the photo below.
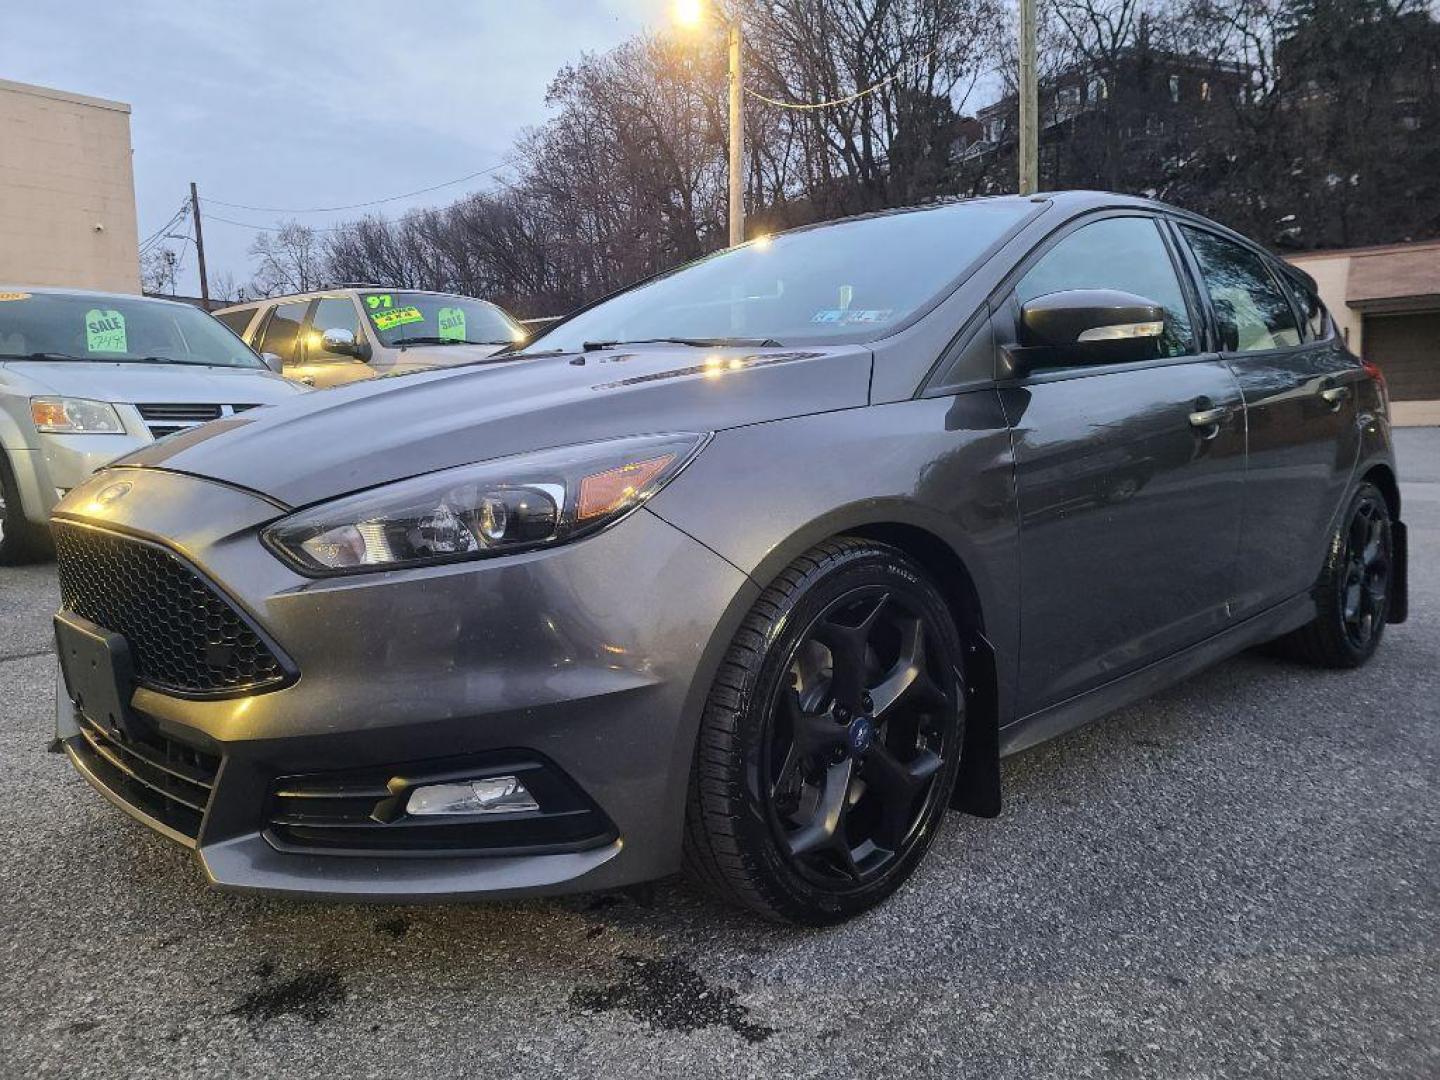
{"type": "Point", "coordinates": [237, 320]}
{"type": "Point", "coordinates": [853, 279]}
{"type": "Point", "coordinates": [1124, 253]}
{"type": "Point", "coordinates": [1250, 308]}
{"type": "Point", "coordinates": [282, 332]}
{"type": "Point", "coordinates": [332, 313]}
{"type": "Point", "coordinates": [118, 329]}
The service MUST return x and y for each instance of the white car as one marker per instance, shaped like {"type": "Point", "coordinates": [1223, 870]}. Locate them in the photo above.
{"type": "Point", "coordinates": [87, 376]}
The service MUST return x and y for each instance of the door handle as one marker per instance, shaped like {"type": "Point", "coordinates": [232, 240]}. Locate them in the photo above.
{"type": "Point", "coordinates": [1334, 396]}
{"type": "Point", "coordinates": [1208, 418]}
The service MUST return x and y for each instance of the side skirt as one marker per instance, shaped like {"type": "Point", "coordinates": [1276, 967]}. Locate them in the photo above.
{"type": "Point", "coordinates": [1093, 704]}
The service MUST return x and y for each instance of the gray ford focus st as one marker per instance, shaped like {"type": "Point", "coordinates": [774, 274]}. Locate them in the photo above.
{"type": "Point", "coordinates": [755, 568]}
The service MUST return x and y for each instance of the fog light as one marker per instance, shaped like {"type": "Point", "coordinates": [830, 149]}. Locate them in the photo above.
{"type": "Point", "coordinates": [493, 795]}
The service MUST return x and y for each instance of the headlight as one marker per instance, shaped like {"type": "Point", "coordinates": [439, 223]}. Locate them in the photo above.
{"type": "Point", "coordinates": [75, 416]}
{"type": "Point", "coordinates": [477, 511]}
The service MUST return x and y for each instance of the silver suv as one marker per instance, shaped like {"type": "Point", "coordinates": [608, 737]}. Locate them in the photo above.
{"type": "Point", "coordinates": [88, 376]}
{"type": "Point", "coordinates": [341, 335]}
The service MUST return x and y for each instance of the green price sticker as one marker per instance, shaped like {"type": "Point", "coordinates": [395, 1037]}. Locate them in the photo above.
{"type": "Point", "coordinates": [380, 301]}
{"type": "Point", "coordinates": [452, 324]}
{"type": "Point", "coordinates": [388, 320]}
{"type": "Point", "coordinates": [105, 331]}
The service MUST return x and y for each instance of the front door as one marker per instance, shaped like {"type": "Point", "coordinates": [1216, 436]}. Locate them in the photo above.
{"type": "Point", "coordinates": [1129, 509]}
{"type": "Point", "coordinates": [1298, 380]}
{"type": "Point", "coordinates": [317, 365]}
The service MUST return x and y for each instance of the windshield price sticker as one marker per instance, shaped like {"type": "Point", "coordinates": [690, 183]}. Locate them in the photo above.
{"type": "Point", "coordinates": [380, 301]}
{"type": "Point", "coordinates": [452, 324]}
{"type": "Point", "coordinates": [388, 320]}
{"type": "Point", "coordinates": [105, 331]}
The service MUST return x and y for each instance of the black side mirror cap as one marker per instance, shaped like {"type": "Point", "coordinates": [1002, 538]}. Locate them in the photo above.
{"type": "Point", "coordinates": [1089, 317]}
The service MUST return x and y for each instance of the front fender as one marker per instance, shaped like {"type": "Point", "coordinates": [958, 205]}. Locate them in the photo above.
{"type": "Point", "coordinates": [939, 465]}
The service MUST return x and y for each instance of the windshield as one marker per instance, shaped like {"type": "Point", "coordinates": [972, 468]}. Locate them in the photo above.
{"type": "Point", "coordinates": [114, 329]}
{"type": "Point", "coordinates": [852, 281]}
{"type": "Point", "coordinates": [417, 318]}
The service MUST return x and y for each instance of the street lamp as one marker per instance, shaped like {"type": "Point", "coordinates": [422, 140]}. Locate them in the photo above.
{"type": "Point", "coordinates": [691, 14]}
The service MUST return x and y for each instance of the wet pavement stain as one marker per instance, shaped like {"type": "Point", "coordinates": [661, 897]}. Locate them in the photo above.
{"type": "Point", "coordinates": [395, 927]}
{"type": "Point", "coordinates": [311, 995]}
{"type": "Point", "coordinates": [669, 995]}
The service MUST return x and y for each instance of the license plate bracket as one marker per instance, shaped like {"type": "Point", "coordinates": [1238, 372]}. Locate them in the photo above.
{"type": "Point", "coordinates": [99, 675]}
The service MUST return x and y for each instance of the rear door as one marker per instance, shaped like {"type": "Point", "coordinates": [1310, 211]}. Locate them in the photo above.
{"type": "Point", "coordinates": [1129, 511]}
{"type": "Point", "coordinates": [1299, 384]}
{"type": "Point", "coordinates": [280, 335]}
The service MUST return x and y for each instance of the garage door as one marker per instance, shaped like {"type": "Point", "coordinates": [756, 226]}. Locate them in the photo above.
{"type": "Point", "coordinates": [1407, 348]}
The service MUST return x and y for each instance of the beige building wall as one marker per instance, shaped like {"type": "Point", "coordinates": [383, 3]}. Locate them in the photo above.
{"type": "Point", "coordinates": [1332, 277]}
{"type": "Point", "coordinates": [67, 191]}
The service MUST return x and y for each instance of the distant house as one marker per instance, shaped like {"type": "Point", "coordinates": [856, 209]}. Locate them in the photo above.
{"type": "Point", "coordinates": [1144, 90]}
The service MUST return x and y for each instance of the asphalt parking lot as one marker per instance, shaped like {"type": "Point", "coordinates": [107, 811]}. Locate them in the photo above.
{"type": "Point", "coordinates": [1240, 877]}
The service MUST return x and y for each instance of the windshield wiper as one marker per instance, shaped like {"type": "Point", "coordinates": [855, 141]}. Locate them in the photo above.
{"type": "Point", "coordinates": [694, 342]}
{"type": "Point", "coordinates": [442, 341]}
{"type": "Point", "coordinates": [42, 356]}
{"type": "Point", "coordinates": [172, 360]}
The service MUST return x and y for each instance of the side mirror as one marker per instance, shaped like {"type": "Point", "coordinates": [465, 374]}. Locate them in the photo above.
{"type": "Point", "coordinates": [1087, 326]}
{"type": "Point", "coordinates": [274, 362]}
{"type": "Point", "coordinates": [339, 341]}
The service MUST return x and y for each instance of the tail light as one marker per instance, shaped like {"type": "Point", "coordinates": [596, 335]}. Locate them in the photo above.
{"type": "Point", "coordinates": [1373, 370]}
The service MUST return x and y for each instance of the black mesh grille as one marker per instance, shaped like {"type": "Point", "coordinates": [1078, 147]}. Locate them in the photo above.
{"type": "Point", "coordinates": [183, 635]}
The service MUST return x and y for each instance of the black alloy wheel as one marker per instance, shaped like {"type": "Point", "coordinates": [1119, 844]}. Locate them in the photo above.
{"type": "Point", "coordinates": [831, 740]}
{"type": "Point", "coordinates": [856, 738]}
{"type": "Point", "coordinates": [1352, 594]}
{"type": "Point", "coordinates": [1364, 586]}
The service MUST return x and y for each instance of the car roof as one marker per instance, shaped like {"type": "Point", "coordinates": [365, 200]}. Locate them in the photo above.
{"type": "Point", "coordinates": [347, 290]}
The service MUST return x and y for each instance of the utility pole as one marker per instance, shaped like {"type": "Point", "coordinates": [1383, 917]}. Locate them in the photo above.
{"type": "Point", "coordinates": [200, 244]}
{"type": "Point", "coordinates": [1029, 103]}
{"type": "Point", "coordinates": [737, 136]}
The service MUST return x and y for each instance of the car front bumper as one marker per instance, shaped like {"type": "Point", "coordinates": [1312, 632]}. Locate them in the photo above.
{"type": "Point", "coordinates": [593, 658]}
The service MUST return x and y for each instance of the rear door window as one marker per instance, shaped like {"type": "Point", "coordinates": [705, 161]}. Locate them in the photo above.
{"type": "Point", "coordinates": [1252, 312]}
{"type": "Point", "coordinates": [282, 331]}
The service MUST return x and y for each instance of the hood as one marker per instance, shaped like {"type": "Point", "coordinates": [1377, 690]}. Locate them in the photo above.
{"type": "Point", "coordinates": [132, 383]}
{"type": "Point", "coordinates": [340, 440]}
{"type": "Point", "coordinates": [424, 357]}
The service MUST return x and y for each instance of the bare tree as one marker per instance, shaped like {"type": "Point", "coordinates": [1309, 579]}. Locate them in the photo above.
{"type": "Point", "coordinates": [158, 269]}
{"type": "Point", "coordinates": [288, 259]}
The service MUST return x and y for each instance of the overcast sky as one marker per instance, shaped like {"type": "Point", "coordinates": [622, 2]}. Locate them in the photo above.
{"type": "Point", "coordinates": [314, 103]}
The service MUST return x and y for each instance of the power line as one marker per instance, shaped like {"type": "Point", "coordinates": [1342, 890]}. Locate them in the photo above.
{"type": "Point", "coordinates": [800, 105]}
{"type": "Point", "coordinates": [360, 205]}
{"type": "Point", "coordinates": [151, 240]}
{"type": "Point", "coordinates": [272, 228]}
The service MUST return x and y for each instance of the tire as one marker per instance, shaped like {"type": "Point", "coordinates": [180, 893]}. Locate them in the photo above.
{"type": "Point", "coordinates": [1352, 592]}
{"type": "Point", "coordinates": [20, 540]}
{"type": "Point", "coordinates": [801, 807]}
